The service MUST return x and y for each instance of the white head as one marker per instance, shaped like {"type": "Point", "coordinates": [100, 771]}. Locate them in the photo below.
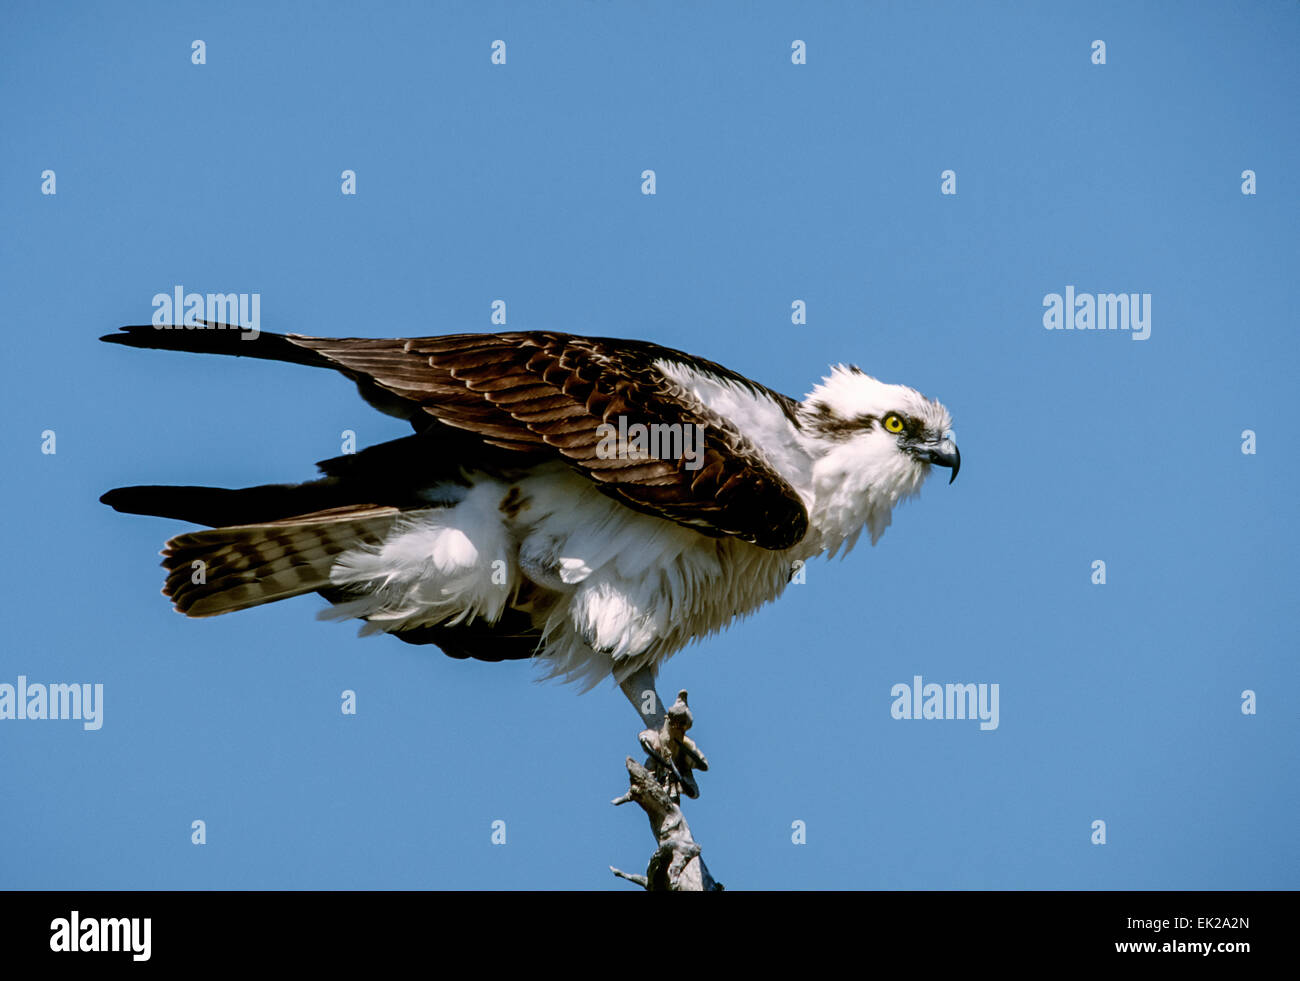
{"type": "Point", "coordinates": [872, 446]}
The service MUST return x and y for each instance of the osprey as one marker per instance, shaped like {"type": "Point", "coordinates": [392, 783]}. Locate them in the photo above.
{"type": "Point", "coordinates": [528, 516]}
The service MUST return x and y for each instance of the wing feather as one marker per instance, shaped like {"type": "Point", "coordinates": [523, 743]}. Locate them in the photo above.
{"type": "Point", "coordinates": [545, 394]}
{"type": "Point", "coordinates": [549, 390]}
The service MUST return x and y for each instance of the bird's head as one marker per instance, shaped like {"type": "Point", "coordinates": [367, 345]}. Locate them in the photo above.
{"type": "Point", "coordinates": [873, 445]}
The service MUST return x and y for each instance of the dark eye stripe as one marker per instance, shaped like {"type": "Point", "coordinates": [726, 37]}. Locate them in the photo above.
{"type": "Point", "coordinates": [827, 424]}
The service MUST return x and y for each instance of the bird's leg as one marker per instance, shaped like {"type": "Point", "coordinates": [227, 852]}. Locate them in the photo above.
{"type": "Point", "coordinates": [639, 688]}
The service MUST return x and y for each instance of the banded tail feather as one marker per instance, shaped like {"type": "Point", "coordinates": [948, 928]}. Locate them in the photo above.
{"type": "Point", "coordinates": [235, 568]}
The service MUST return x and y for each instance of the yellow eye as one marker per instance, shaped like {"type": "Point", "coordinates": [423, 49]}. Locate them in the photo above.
{"type": "Point", "coordinates": [894, 423]}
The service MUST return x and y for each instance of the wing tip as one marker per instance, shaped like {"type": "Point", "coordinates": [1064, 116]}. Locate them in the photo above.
{"type": "Point", "coordinates": [124, 335]}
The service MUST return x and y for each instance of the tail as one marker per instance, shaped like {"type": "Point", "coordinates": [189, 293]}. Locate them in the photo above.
{"type": "Point", "coordinates": [288, 533]}
{"type": "Point", "coordinates": [228, 569]}
{"type": "Point", "coordinates": [280, 540]}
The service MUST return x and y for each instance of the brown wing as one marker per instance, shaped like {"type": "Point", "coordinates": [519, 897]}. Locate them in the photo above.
{"type": "Point", "coordinates": [544, 394]}
{"type": "Point", "coordinates": [533, 391]}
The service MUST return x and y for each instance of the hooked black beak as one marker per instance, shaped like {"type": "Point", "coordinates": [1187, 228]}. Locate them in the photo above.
{"type": "Point", "coordinates": [945, 454]}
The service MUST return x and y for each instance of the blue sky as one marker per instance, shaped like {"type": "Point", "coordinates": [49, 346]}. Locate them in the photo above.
{"type": "Point", "coordinates": [775, 182]}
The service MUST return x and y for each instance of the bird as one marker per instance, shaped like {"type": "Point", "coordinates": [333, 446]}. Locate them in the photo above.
{"type": "Point", "coordinates": [594, 503]}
